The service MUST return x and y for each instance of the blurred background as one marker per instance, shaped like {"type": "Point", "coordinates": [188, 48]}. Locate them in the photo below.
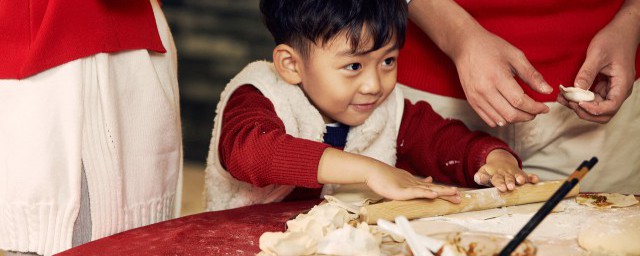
{"type": "Point", "coordinates": [215, 40]}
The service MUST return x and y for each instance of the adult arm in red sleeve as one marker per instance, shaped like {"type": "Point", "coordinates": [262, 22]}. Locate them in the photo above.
{"type": "Point", "coordinates": [255, 148]}
{"type": "Point", "coordinates": [445, 149]}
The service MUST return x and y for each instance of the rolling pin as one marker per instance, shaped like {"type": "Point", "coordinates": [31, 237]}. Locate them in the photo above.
{"type": "Point", "coordinates": [472, 200]}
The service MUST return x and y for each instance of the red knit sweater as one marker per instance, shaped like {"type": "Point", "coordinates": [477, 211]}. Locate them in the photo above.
{"type": "Point", "coordinates": [553, 34]}
{"type": "Point", "coordinates": [38, 35]}
{"type": "Point", "coordinates": [254, 147]}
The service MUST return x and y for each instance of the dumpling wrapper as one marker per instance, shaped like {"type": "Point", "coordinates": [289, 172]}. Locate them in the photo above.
{"type": "Point", "coordinates": [606, 200]}
{"type": "Point", "coordinates": [577, 94]}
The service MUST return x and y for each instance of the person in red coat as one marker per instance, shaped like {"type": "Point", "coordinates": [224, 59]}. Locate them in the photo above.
{"type": "Point", "coordinates": [90, 140]}
{"type": "Point", "coordinates": [327, 111]}
{"type": "Point", "coordinates": [497, 66]}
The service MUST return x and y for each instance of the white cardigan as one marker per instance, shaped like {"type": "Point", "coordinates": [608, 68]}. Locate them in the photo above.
{"type": "Point", "coordinates": [375, 138]}
{"type": "Point", "coordinates": [115, 114]}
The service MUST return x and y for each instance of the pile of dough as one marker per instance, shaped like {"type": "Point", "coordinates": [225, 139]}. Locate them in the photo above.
{"type": "Point", "coordinates": [287, 243]}
{"type": "Point", "coordinates": [326, 229]}
{"type": "Point", "coordinates": [351, 241]}
{"type": "Point", "coordinates": [606, 200]}
{"type": "Point", "coordinates": [577, 94]}
{"type": "Point", "coordinates": [356, 194]}
{"type": "Point", "coordinates": [605, 236]}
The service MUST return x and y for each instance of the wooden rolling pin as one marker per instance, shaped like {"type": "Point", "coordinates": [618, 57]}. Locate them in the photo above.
{"type": "Point", "coordinates": [472, 200]}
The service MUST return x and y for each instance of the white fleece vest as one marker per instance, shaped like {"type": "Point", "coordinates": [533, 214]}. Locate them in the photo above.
{"type": "Point", "coordinates": [375, 138]}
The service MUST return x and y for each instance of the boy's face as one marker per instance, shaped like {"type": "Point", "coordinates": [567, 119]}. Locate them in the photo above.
{"type": "Point", "coordinates": [347, 87]}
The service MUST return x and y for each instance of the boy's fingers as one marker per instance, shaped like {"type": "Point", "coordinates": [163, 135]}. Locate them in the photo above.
{"type": "Point", "coordinates": [428, 179]}
{"type": "Point", "coordinates": [498, 181]}
{"type": "Point", "coordinates": [481, 178]}
{"type": "Point", "coordinates": [521, 178]}
{"type": "Point", "coordinates": [533, 178]}
{"type": "Point", "coordinates": [444, 191]}
{"type": "Point", "coordinates": [454, 199]}
{"type": "Point", "coordinates": [421, 192]}
{"type": "Point", "coordinates": [510, 182]}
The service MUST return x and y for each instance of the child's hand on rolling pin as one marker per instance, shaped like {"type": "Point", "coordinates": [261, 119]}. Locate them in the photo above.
{"type": "Point", "coordinates": [502, 171]}
{"type": "Point", "coordinates": [398, 184]}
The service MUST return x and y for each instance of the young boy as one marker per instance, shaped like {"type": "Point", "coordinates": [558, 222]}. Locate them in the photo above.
{"type": "Point", "coordinates": [327, 111]}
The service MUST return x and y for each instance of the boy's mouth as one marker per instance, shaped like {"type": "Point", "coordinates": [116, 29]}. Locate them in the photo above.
{"type": "Point", "coordinates": [363, 107]}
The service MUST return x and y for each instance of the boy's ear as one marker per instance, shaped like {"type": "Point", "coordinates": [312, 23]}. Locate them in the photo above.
{"type": "Point", "coordinates": [287, 63]}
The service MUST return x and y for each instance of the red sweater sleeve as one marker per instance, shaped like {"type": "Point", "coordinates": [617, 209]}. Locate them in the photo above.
{"type": "Point", "coordinates": [445, 149]}
{"type": "Point", "coordinates": [255, 148]}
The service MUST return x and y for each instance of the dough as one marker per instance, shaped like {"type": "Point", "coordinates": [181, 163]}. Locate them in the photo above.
{"type": "Point", "coordinates": [288, 243]}
{"type": "Point", "coordinates": [606, 200]}
{"type": "Point", "coordinates": [319, 221]}
{"type": "Point", "coordinates": [350, 241]}
{"type": "Point", "coordinates": [356, 194]}
{"type": "Point", "coordinates": [576, 94]}
{"type": "Point", "coordinates": [324, 229]}
{"type": "Point", "coordinates": [606, 236]}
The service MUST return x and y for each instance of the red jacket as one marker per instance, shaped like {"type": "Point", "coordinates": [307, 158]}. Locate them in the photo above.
{"type": "Point", "coordinates": [254, 147]}
{"type": "Point", "coordinates": [553, 34]}
{"type": "Point", "coordinates": [36, 35]}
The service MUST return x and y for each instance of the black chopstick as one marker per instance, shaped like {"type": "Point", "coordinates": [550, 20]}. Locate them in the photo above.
{"type": "Point", "coordinates": [571, 182]}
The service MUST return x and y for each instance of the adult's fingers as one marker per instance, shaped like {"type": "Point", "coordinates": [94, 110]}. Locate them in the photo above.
{"type": "Point", "coordinates": [483, 115]}
{"type": "Point", "coordinates": [583, 114]}
{"type": "Point", "coordinates": [509, 112]}
{"type": "Point", "coordinates": [562, 100]}
{"type": "Point", "coordinates": [486, 112]}
{"type": "Point", "coordinates": [619, 91]}
{"type": "Point", "coordinates": [511, 91]}
{"type": "Point", "coordinates": [589, 70]}
{"type": "Point", "coordinates": [523, 69]}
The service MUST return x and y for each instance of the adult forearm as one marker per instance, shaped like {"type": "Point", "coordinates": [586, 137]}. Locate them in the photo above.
{"type": "Point", "coordinates": [445, 22]}
{"type": "Point", "coordinates": [629, 16]}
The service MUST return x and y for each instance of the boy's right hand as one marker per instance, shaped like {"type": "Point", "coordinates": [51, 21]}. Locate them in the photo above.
{"type": "Point", "coordinates": [398, 184]}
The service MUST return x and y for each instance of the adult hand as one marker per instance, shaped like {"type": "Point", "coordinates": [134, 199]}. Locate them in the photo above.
{"type": "Point", "coordinates": [486, 66]}
{"type": "Point", "coordinates": [486, 63]}
{"type": "Point", "coordinates": [610, 67]}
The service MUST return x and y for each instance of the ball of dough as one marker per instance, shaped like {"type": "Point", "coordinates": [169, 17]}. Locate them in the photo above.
{"type": "Point", "coordinates": [619, 236]}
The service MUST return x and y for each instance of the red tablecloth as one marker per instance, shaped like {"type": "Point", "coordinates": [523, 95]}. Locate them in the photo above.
{"type": "Point", "coordinates": [229, 232]}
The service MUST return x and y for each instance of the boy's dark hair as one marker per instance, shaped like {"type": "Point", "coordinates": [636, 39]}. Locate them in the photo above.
{"type": "Point", "coordinates": [301, 22]}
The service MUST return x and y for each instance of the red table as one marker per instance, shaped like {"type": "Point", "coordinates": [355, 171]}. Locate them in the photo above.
{"type": "Point", "coordinates": [229, 232]}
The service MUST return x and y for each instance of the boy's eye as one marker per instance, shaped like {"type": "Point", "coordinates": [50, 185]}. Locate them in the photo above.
{"type": "Point", "coordinates": [389, 61]}
{"type": "Point", "coordinates": [353, 66]}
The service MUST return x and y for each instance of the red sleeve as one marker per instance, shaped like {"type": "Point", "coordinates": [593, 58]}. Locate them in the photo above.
{"type": "Point", "coordinates": [254, 147]}
{"type": "Point", "coordinates": [445, 149]}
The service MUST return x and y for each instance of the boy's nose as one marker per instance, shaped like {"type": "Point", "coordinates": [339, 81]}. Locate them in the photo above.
{"type": "Point", "coordinates": [371, 85]}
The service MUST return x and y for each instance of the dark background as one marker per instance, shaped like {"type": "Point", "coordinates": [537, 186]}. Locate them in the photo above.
{"type": "Point", "coordinates": [215, 40]}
